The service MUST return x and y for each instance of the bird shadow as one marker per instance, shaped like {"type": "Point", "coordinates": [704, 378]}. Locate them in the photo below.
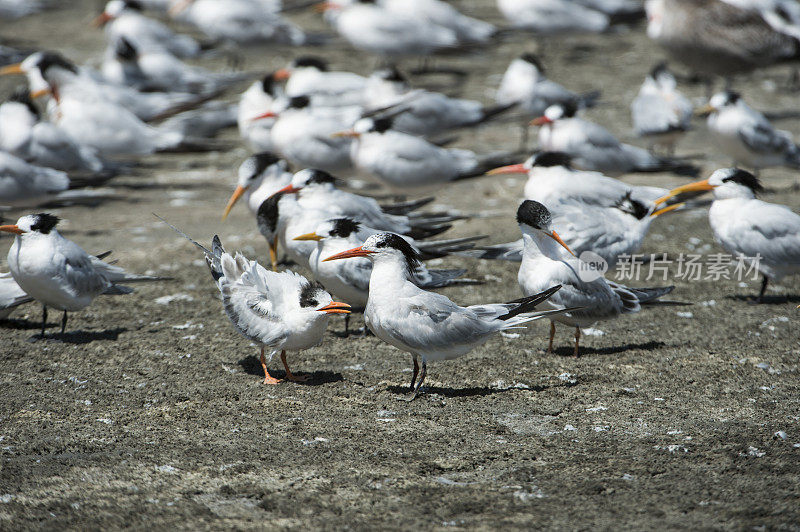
{"type": "Point", "coordinates": [79, 337]}
{"type": "Point", "coordinates": [565, 351]}
{"type": "Point", "coordinates": [471, 391]}
{"type": "Point", "coordinates": [766, 300]}
{"type": "Point", "coordinates": [252, 366]}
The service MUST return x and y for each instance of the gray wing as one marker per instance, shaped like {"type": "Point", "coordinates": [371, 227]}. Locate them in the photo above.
{"type": "Point", "coordinates": [763, 138]}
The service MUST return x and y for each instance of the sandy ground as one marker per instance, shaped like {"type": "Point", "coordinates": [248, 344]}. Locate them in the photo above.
{"type": "Point", "coordinates": [150, 412]}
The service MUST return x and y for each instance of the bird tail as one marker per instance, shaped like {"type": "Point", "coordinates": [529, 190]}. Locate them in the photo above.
{"type": "Point", "coordinates": [442, 278]}
{"type": "Point", "coordinates": [490, 112]}
{"type": "Point", "coordinates": [441, 248]}
{"type": "Point", "coordinates": [650, 295]}
{"type": "Point", "coordinates": [646, 162]}
{"type": "Point", "coordinates": [589, 99]}
{"type": "Point", "coordinates": [528, 303]}
{"type": "Point", "coordinates": [405, 207]}
{"type": "Point", "coordinates": [488, 162]}
{"type": "Point", "coordinates": [510, 251]}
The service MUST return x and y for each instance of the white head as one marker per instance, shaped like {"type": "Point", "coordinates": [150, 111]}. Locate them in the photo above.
{"type": "Point", "coordinates": [252, 172]}
{"type": "Point", "coordinates": [727, 183]}
{"type": "Point", "coordinates": [313, 299]}
{"type": "Point", "coordinates": [383, 248]}
{"type": "Point", "coordinates": [336, 228]}
{"type": "Point", "coordinates": [311, 177]}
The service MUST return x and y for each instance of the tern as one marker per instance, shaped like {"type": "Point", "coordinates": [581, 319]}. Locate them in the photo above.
{"type": "Point", "coordinates": [158, 70]}
{"type": "Point", "coordinates": [746, 136]}
{"type": "Point", "coordinates": [427, 325]}
{"type": "Point", "coordinates": [23, 133]}
{"type": "Point", "coordinates": [715, 37]}
{"type": "Point", "coordinates": [370, 27]}
{"type": "Point", "coordinates": [349, 281]}
{"type": "Point", "coordinates": [593, 147]}
{"type": "Point", "coordinates": [260, 176]}
{"type": "Point", "coordinates": [124, 18]}
{"type": "Point", "coordinates": [14, 9]}
{"type": "Point", "coordinates": [765, 235]}
{"type": "Point", "coordinates": [553, 16]}
{"type": "Point", "coordinates": [239, 21]}
{"type": "Point", "coordinates": [23, 184]}
{"type": "Point", "coordinates": [420, 112]}
{"type": "Point", "coordinates": [11, 295]}
{"type": "Point", "coordinates": [661, 114]}
{"type": "Point", "coordinates": [402, 160]}
{"type": "Point", "coordinates": [304, 134]}
{"type": "Point", "coordinates": [56, 272]}
{"type": "Point", "coordinates": [311, 76]}
{"type": "Point", "coordinates": [279, 311]}
{"type": "Point", "coordinates": [547, 260]}
{"type": "Point", "coordinates": [261, 97]}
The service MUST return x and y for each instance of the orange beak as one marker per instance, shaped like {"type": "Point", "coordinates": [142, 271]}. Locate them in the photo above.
{"type": "Point", "coordinates": [11, 69]}
{"type": "Point", "coordinates": [101, 20]}
{"type": "Point", "coordinates": [288, 189]}
{"type": "Point", "coordinates": [309, 236]}
{"type": "Point", "coordinates": [282, 74]}
{"type": "Point", "coordinates": [11, 229]}
{"type": "Point", "coordinates": [268, 114]}
{"type": "Point", "coordinates": [697, 186]}
{"type": "Point", "coordinates": [542, 120]}
{"type": "Point", "coordinates": [326, 6]}
{"type": "Point", "coordinates": [350, 253]}
{"type": "Point", "coordinates": [238, 193]}
{"type": "Point", "coordinates": [349, 133]}
{"type": "Point", "coordinates": [512, 169]}
{"type": "Point", "coordinates": [665, 210]}
{"type": "Point", "coordinates": [335, 307]}
{"type": "Point", "coordinates": [40, 93]}
{"type": "Point", "coordinates": [557, 238]}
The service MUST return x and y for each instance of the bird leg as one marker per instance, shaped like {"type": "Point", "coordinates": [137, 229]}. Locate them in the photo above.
{"type": "Point", "coordinates": [413, 395]}
{"type": "Point", "coordinates": [268, 379]}
{"type": "Point", "coordinates": [64, 322]}
{"type": "Point", "coordinates": [764, 283]}
{"type": "Point", "coordinates": [346, 325]}
{"type": "Point", "coordinates": [523, 145]}
{"type": "Point", "coordinates": [552, 335]}
{"type": "Point", "coordinates": [415, 373]}
{"type": "Point", "coordinates": [273, 254]}
{"type": "Point", "coordinates": [577, 341]}
{"type": "Point", "coordinates": [44, 318]}
{"type": "Point", "coordinates": [289, 375]}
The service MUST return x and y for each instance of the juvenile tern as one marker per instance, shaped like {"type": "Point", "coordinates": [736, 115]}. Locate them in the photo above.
{"type": "Point", "coordinates": [427, 325]}
{"type": "Point", "coordinates": [279, 311]}
{"type": "Point", "coordinates": [546, 260]}
{"type": "Point", "coordinates": [56, 272]}
{"type": "Point", "coordinates": [766, 236]}
{"type": "Point", "coordinates": [746, 136]}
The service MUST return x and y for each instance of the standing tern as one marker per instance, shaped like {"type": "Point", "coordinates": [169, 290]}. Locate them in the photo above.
{"type": "Point", "coordinates": [427, 325]}
{"type": "Point", "coordinates": [260, 176]}
{"type": "Point", "coordinates": [261, 97]}
{"type": "Point", "coordinates": [746, 136]}
{"type": "Point", "coordinates": [124, 18]}
{"type": "Point", "coordinates": [717, 37]}
{"type": "Point", "coordinates": [56, 272]}
{"type": "Point", "coordinates": [547, 260]}
{"type": "Point", "coordinates": [593, 147]}
{"type": "Point", "coordinates": [402, 160]}
{"type": "Point", "coordinates": [661, 114]}
{"type": "Point", "coordinates": [279, 311]}
{"type": "Point", "coordinates": [23, 184]}
{"type": "Point", "coordinates": [765, 235]}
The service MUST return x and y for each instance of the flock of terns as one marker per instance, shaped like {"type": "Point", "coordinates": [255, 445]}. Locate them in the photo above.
{"type": "Point", "coordinates": [73, 127]}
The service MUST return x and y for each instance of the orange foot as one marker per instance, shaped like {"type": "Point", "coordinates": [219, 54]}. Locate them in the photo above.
{"type": "Point", "coordinates": [269, 379]}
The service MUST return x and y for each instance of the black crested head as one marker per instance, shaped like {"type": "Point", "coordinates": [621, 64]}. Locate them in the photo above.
{"type": "Point", "coordinates": [660, 68]}
{"type": "Point", "coordinates": [570, 109]}
{"type": "Point", "coordinates": [319, 177]}
{"type": "Point", "coordinates": [311, 61]}
{"type": "Point", "coordinates": [54, 59]}
{"type": "Point", "coordinates": [23, 95]}
{"type": "Point", "coordinates": [633, 207]}
{"type": "Point", "coordinates": [547, 159]}
{"type": "Point", "coordinates": [744, 178]}
{"type": "Point", "coordinates": [261, 161]}
{"type": "Point", "coordinates": [310, 294]}
{"type": "Point", "coordinates": [44, 222]}
{"type": "Point", "coordinates": [366, 1]}
{"type": "Point", "coordinates": [391, 240]}
{"type": "Point", "coordinates": [134, 4]}
{"type": "Point", "coordinates": [393, 74]}
{"type": "Point", "coordinates": [299, 102]}
{"type": "Point", "coordinates": [532, 59]}
{"type": "Point", "coordinates": [344, 227]}
{"type": "Point", "coordinates": [125, 50]}
{"type": "Point", "coordinates": [267, 216]}
{"type": "Point", "coordinates": [380, 125]}
{"type": "Point", "coordinates": [533, 214]}
{"type": "Point", "coordinates": [731, 97]}
{"type": "Point", "coordinates": [268, 84]}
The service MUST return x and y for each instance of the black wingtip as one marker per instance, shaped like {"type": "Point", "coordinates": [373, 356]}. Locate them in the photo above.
{"type": "Point", "coordinates": [528, 304]}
